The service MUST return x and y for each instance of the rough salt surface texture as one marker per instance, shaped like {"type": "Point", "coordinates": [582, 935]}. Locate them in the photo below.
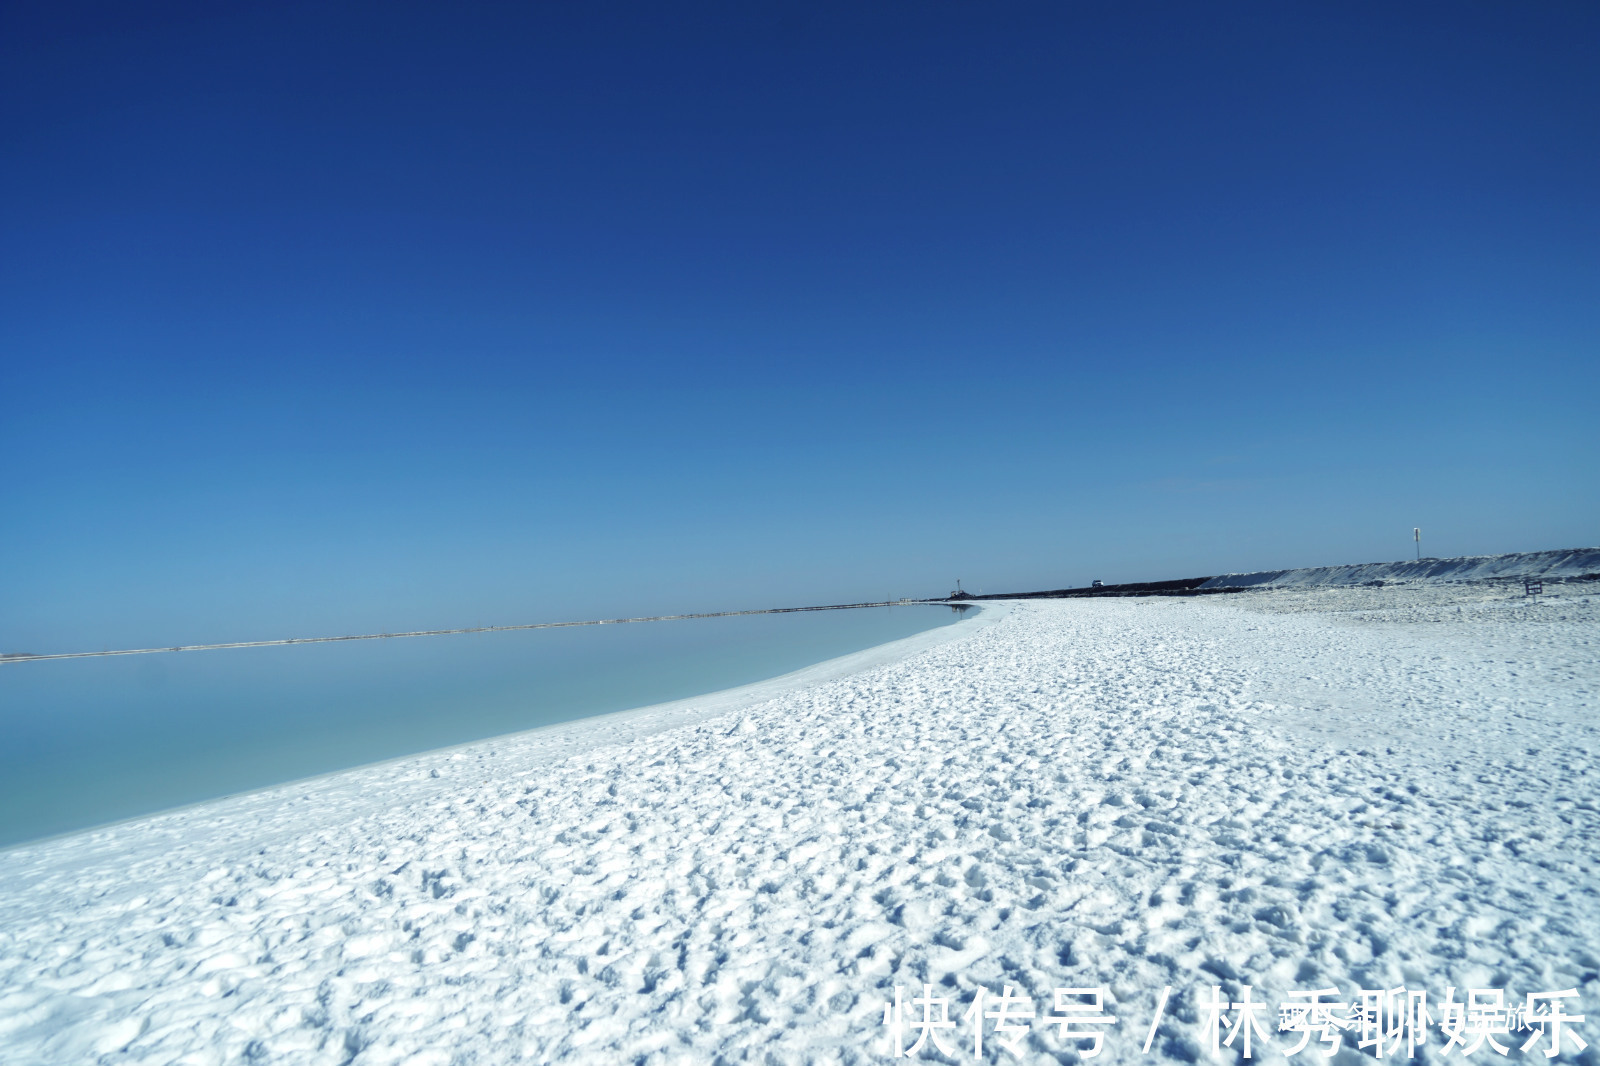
{"type": "Point", "coordinates": [1289, 790]}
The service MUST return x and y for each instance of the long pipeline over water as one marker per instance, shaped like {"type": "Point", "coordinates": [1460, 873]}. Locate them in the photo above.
{"type": "Point", "coordinates": [24, 658]}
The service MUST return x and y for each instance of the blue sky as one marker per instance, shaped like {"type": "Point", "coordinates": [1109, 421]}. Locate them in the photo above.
{"type": "Point", "coordinates": [333, 317]}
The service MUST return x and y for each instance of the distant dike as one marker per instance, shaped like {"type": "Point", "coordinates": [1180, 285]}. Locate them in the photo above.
{"type": "Point", "coordinates": [1569, 564]}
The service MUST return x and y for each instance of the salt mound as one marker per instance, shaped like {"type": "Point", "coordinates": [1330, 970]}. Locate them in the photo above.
{"type": "Point", "coordinates": [1548, 565]}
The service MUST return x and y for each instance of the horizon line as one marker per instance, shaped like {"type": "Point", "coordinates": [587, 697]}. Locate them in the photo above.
{"type": "Point", "coordinates": [16, 657]}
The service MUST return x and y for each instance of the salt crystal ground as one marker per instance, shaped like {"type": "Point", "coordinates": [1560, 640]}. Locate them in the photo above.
{"type": "Point", "coordinates": [1360, 788]}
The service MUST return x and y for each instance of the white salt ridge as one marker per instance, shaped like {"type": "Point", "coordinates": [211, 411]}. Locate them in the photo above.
{"type": "Point", "coordinates": [1358, 787]}
{"type": "Point", "coordinates": [1563, 564]}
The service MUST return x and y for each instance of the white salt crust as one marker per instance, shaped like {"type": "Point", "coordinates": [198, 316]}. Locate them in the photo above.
{"type": "Point", "coordinates": [1287, 789]}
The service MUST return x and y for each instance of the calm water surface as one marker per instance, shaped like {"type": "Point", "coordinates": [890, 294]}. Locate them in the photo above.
{"type": "Point", "coordinates": [87, 741]}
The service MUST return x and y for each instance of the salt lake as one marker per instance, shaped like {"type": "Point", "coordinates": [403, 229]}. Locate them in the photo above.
{"type": "Point", "coordinates": [89, 741]}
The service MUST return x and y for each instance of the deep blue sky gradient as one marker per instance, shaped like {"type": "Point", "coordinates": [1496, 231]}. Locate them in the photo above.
{"type": "Point", "coordinates": [329, 317]}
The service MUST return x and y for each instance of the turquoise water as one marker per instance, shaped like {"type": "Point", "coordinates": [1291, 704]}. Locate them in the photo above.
{"type": "Point", "coordinates": [88, 741]}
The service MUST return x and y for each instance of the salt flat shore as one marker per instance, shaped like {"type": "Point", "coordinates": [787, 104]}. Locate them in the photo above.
{"type": "Point", "coordinates": [1286, 790]}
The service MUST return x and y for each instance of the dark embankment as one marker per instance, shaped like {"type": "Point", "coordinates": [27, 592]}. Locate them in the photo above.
{"type": "Point", "coordinates": [1188, 586]}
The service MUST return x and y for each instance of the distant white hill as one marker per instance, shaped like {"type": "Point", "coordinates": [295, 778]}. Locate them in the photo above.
{"type": "Point", "coordinates": [1548, 565]}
